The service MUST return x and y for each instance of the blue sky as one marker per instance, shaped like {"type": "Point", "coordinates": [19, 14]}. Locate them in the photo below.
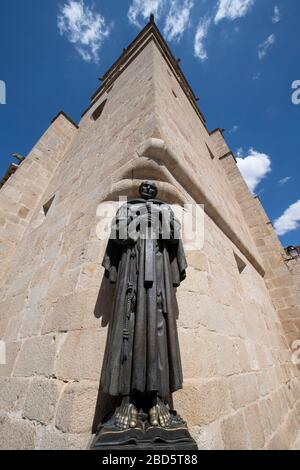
{"type": "Point", "coordinates": [241, 57]}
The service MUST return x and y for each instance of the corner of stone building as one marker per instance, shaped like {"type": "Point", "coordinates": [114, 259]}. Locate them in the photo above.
{"type": "Point", "coordinates": [280, 277]}
{"type": "Point", "coordinates": [238, 375]}
{"type": "Point", "coordinates": [25, 188]}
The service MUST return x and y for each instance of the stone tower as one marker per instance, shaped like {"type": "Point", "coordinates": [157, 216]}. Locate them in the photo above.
{"type": "Point", "coordinates": [239, 307]}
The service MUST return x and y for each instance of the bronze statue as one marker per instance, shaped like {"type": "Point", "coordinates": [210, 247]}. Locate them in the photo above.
{"type": "Point", "coordinates": [146, 261]}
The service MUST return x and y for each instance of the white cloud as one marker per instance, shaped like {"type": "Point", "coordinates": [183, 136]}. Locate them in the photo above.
{"type": "Point", "coordinates": [201, 34]}
{"type": "Point", "coordinates": [265, 46]}
{"type": "Point", "coordinates": [285, 180]}
{"type": "Point", "coordinates": [234, 129]}
{"type": "Point", "coordinates": [177, 19]}
{"type": "Point", "coordinates": [289, 220]}
{"type": "Point", "coordinates": [254, 168]}
{"type": "Point", "coordinates": [84, 27]}
{"type": "Point", "coordinates": [140, 10]}
{"type": "Point", "coordinates": [232, 9]}
{"type": "Point", "coordinates": [276, 17]}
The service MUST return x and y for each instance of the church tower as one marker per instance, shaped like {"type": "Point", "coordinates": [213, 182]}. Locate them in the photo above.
{"type": "Point", "coordinates": [239, 307]}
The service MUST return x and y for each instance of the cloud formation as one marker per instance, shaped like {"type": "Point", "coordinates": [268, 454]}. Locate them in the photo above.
{"type": "Point", "coordinates": [232, 9]}
{"type": "Point", "coordinates": [140, 10]}
{"type": "Point", "coordinates": [265, 46]}
{"type": "Point", "coordinates": [177, 19]}
{"type": "Point", "coordinates": [289, 220]}
{"type": "Point", "coordinates": [254, 168]}
{"type": "Point", "coordinates": [285, 180]}
{"type": "Point", "coordinates": [276, 17]}
{"type": "Point", "coordinates": [201, 34]}
{"type": "Point", "coordinates": [83, 27]}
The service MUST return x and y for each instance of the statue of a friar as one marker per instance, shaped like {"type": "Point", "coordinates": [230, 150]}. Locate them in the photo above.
{"type": "Point", "coordinates": [146, 261]}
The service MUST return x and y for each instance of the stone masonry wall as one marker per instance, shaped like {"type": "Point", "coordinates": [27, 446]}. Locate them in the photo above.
{"type": "Point", "coordinates": [241, 389]}
{"type": "Point", "coordinates": [20, 196]}
{"type": "Point", "coordinates": [283, 286]}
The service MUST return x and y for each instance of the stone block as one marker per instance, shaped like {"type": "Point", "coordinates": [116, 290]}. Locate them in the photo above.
{"type": "Point", "coordinates": [76, 408]}
{"type": "Point", "coordinates": [41, 400]}
{"type": "Point", "coordinates": [49, 438]}
{"type": "Point", "coordinates": [13, 328]}
{"type": "Point", "coordinates": [193, 309]}
{"type": "Point", "coordinates": [201, 403]}
{"type": "Point", "coordinates": [91, 275]}
{"type": "Point", "coordinates": [36, 356]}
{"type": "Point", "coordinates": [72, 312]}
{"type": "Point", "coordinates": [16, 434]}
{"type": "Point", "coordinates": [196, 281]}
{"type": "Point", "coordinates": [198, 260]}
{"type": "Point", "coordinates": [243, 389]}
{"type": "Point", "coordinates": [62, 285]}
{"type": "Point", "coordinates": [228, 361]}
{"type": "Point", "coordinates": [12, 393]}
{"type": "Point", "coordinates": [234, 432]}
{"type": "Point", "coordinates": [12, 350]}
{"type": "Point", "coordinates": [198, 353]}
{"type": "Point", "coordinates": [254, 426]}
{"type": "Point", "coordinates": [81, 354]}
{"type": "Point", "coordinates": [32, 320]}
{"type": "Point", "coordinates": [210, 437]}
{"type": "Point", "coordinates": [268, 417]}
{"type": "Point", "coordinates": [278, 442]}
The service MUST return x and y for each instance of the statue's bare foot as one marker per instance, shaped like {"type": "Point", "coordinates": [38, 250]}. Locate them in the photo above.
{"type": "Point", "coordinates": [126, 416]}
{"type": "Point", "coordinates": [159, 415]}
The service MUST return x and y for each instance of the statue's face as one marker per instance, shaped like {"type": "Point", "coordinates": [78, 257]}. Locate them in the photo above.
{"type": "Point", "coordinates": [148, 190]}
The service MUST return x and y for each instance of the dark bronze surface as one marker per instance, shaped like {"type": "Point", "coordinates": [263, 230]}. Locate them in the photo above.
{"type": "Point", "coordinates": [142, 363]}
{"type": "Point", "coordinates": [144, 437]}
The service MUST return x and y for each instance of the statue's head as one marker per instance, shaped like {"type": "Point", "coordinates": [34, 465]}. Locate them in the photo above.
{"type": "Point", "coordinates": [148, 190]}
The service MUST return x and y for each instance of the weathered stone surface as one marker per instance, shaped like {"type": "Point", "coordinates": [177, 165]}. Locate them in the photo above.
{"type": "Point", "coordinates": [243, 390]}
{"type": "Point", "coordinates": [268, 417]}
{"type": "Point", "coordinates": [12, 350]}
{"type": "Point", "coordinates": [296, 444]}
{"type": "Point", "coordinates": [37, 356]}
{"type": "Point", "coordinates": [71, 312]}
{"type": "Point", "coordinates": [234, 433]}
{"type": "Point", "coordinates": [210, 398]}
{"type": "Point", "coordinates": [198, 353]}
{"type": "Point", "coordinates": [32, 320]}
{"type": "Point", "coordinates": [235, 346]}
{"type": "Point", "coordinates": [210, 437]}
{"type": "Point", "coordinates": [16, 434]}
{"type": "Point", "coordinates": [196, 281]}
{"type": "Point", "coordinates": [49, 438]}
{"type": "Point", "coordinates": [41, 400]}
{"type": "Point", "coordinates": [198, 260]}
{"type": "Point", "coordinates": [76, 408]}
{"type": "Point", "coordinates": [12, 393]}
{"type": "Point", "coordinates": [254, 426]}
{"type": "Point", "coordinates": [81, 355]}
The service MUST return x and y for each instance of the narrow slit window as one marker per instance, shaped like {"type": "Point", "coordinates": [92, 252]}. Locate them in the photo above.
{"type": "Point", "coordinates": [46, 207]}
{"type": "Point", "coordinates": [98, 111]}
{"type": "Point", "coordinates": [210, 153]}
{"type": "Point", "coordinates": [241, 265]}
{"type": "Point", "coordinates": [174, 93]}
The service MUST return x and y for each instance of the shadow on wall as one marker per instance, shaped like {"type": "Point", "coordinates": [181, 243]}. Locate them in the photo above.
{"type": "Point", "coordinates": [106, 404]}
